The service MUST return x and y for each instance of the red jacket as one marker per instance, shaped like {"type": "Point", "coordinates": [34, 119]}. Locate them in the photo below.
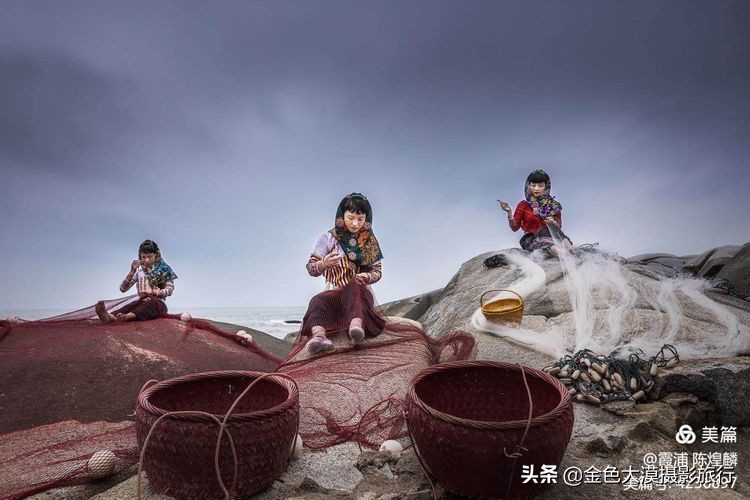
{"type": "Point", "coordinates": [524, 218]}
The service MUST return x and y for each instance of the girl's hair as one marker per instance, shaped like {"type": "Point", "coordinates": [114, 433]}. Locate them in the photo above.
{"type": "Point", "coordinates": [148, 246]}
{"type": "Point", "coordinates": [538, 176]}
{"type": "Point", "coordinates": [356, 203]}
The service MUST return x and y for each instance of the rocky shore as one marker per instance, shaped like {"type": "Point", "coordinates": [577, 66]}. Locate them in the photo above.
{"type": "Point", "coordinates": [711, 392]}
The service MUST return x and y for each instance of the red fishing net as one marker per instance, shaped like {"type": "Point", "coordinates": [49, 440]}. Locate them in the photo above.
{"type": "Point", "coordinates": [72, 367]}
{"type": "Point", "coordinates": [40, 458]}
{"type": "Point", "coordinates": [338, 388]}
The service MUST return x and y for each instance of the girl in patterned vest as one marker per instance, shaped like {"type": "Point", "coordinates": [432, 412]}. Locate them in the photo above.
{"type": "Point", "coordinates": [154, 281]}
{"type": "Point", "coordinates": [349, 258]}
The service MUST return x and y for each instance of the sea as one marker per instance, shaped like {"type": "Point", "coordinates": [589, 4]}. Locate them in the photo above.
{"type": "Point", "coordinates": [275, 321]}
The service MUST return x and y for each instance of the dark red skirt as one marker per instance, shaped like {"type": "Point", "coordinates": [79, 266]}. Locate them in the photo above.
{"type": "Point", "coordinates": [335, 309]}
{"type": "Point", "coordinates": [145, 309]}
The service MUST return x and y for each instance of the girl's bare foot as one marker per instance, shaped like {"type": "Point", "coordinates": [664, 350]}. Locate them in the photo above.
{"type": "Point", "coordinates": [356, 332]}
{"type": "Point", "coordinates": [101, 311]}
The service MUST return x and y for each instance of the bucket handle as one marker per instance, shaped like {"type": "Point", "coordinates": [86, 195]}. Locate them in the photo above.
{"type": "Point", "coordinates": [481, 298]}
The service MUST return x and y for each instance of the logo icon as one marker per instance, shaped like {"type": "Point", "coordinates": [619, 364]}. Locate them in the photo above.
{"type": "Point", "coordinates": [685, 435]}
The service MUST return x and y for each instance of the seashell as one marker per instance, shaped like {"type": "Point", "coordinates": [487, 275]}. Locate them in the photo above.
{"type": "Point", "coordinates": [587, 362]}
{"type": "Point", "coordinates": [605, 384]}
{"type": "Point", "coordinates": [595, 376]}
{"type": "Point", "coordinates": [563, 374]}
{"type": "Point", "coordinates": [672, 363]}
{"type": "Point", "coordinates": [601, 357]}
{"type": "Point", "coordinates": [598, 368]}
{"type": "Point", "coordinates": [297, 447]}
{"type": "Point", "coordinates": [572, 391]}
{"type": "Point", "coordinates": [585, 377]}
{"type": "Point", "coordinates": [617, 378]}
{"type": "Point", "coordinates": [633, 383]}
{"type": "Point", "coordinates": [638, 395]}
{"type": "Point", "coordinates": [566, 381]}
{"type": "Point", "coordinates": [554, 370]}
{"type": "Point", "coordinates": [654, 368]}
{"type": "Point", "coordinates": [576, 374]}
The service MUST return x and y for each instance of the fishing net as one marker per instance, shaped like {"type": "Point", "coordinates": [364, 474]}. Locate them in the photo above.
{"type": "Point", "coordinates": [354, 393]}
{"type": "Point", "coordinates": [33, 460]}
{"type": "Point", "coordinates": [73, 367]}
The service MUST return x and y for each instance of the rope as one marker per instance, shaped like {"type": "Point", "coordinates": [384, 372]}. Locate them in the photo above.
{"type": "Point", "coordinates": [517, 454]}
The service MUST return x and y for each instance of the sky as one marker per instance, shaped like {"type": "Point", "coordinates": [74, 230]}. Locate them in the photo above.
{"type": "Point", "coordinates": [229, 131]}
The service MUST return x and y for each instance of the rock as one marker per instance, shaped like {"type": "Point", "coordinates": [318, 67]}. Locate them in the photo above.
{"type": "Point", "coordinates": [413, 307]}
{"type": "Point", "coordinates": [662, 264]}
{"type": "Point", "coordinates": [737, 271]}
{"type": "Point", "coordinates": [604, 446]}
{"type": "Point", "coordinates": [710, 263]}
{"type": "Point", "coordinates": [653, 418]}
{"type": "Point", "coordinates": [726, 385]}
{"type": "Point", "coordinates": [678, 399]}
{"type": "Point", "coordinates": [386, 478]}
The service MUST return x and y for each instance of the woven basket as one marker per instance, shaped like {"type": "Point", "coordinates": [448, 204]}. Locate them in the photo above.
{"type": "Point", "coordinates": [180, 455]}
{"type": "Point", "coordinates": [469, 419]}
{"type": "Point", "coordinates": [502, 310]}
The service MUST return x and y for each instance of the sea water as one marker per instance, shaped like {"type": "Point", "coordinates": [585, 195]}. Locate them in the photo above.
{"type": "Point", "coordinates": [275, 321]}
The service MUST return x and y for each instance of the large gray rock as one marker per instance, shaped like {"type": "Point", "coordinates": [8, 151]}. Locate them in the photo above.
{"type": "Point", "coordinates": [708, 264]}
{"type": "Point", "coordinates": [413, 307]}
{"type": "Point", "coordinates": [645, 302]}
{"type": "Point", "coordinates": [661, 264]}
{"type": "Point", "coordinates": [737, 271]}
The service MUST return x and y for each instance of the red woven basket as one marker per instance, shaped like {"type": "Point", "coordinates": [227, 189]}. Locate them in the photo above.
{"type": "Point", "coordinates": [470, 424]}
{"type": "Point", "coordinates": [180, 457]}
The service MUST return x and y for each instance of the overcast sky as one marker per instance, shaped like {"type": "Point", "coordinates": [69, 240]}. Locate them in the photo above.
{"type": "Point", "coordinates": [229, 131]}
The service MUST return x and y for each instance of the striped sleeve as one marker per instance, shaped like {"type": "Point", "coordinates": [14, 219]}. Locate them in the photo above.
{"type": "Point", "coordinates": [127, 283]}
{"type": "Point", "coordinates": [374, 274]}
{"type": "Point", "coordinates": [165, 292]}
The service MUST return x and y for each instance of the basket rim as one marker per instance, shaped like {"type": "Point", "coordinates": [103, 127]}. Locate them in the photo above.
{"type": "Point", "coordinates": [285, 382]}
{"type": "Point", "coordinates": [548, 417]}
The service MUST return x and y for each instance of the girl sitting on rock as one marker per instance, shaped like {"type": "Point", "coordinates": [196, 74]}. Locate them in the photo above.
{"type": "Point", "coordinates": [154, 280]}
{"type": "Point", "coordinates": [349, 258]}
{"type": "Point", "coordinates": [537, 214]}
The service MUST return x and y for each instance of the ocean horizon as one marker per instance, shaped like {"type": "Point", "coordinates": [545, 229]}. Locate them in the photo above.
{"type": "Point", "coordinates": [275, 321]}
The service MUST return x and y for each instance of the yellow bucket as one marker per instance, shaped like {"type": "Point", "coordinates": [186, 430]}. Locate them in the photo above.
{"type": "Point", "coordinates": [506, 310]}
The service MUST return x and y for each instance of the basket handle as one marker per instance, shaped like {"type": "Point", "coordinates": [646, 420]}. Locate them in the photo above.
{"type": "Point", "coordinates": [229, 413]}
{"type": "Point", "coordinates": [481, 304]}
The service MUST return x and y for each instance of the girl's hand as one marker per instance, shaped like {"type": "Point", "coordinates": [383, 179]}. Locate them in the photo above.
{"type": "Point", "coordinates": [359, 278]}
{"type": "Point", "coordinates": [330, 260]}
{"type": "Point", "coordinates": [551, 220]}
{"type": "Point", "coordinates": [136, 263]}
{"type": "Point", "coordinates": [504, 206]}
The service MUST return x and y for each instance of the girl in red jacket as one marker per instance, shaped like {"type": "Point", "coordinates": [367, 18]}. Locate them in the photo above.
{"type": "Point", "coordinates": [537, 214]}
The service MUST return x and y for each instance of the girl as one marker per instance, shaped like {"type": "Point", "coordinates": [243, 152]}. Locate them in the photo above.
{"type": "Point", "coordinates": [537, 215]}
{"type": "Point", "coordinates": [155, 282]}
{"type": "Point", "coordinates": [348, 256]}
